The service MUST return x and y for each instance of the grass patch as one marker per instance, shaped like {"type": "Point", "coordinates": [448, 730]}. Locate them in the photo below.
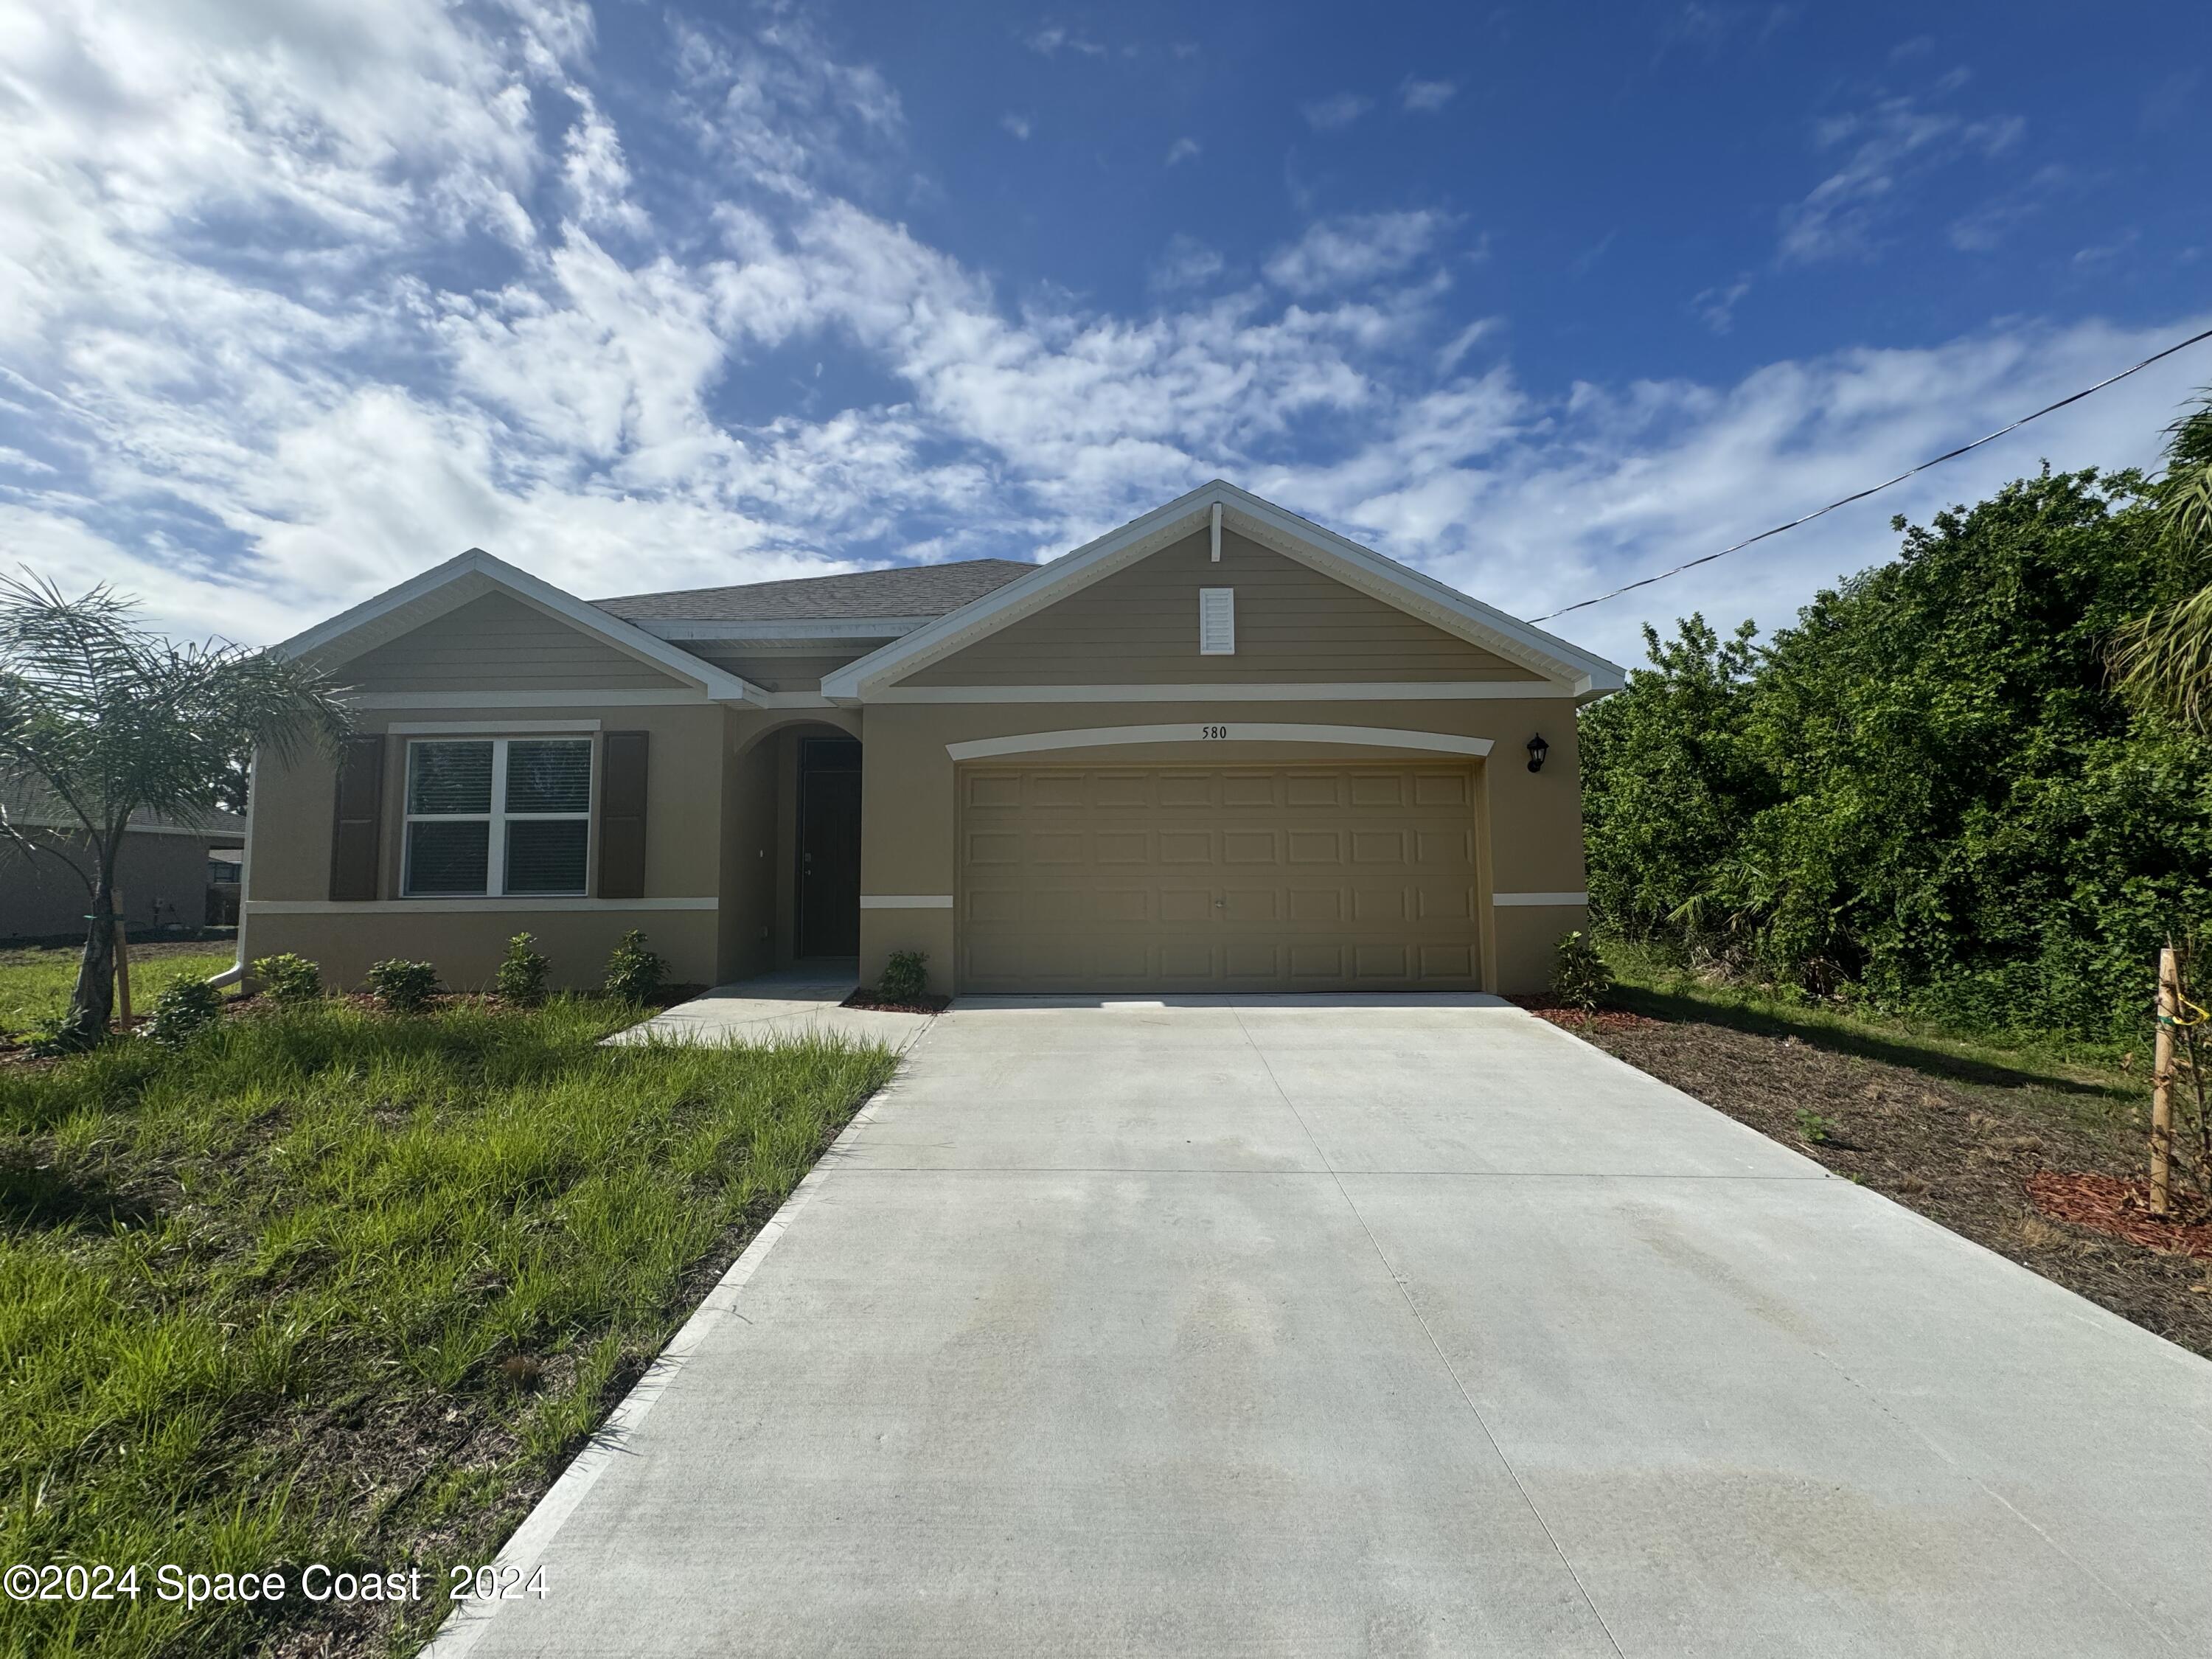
{"type": "Point", "coordinates": [333, 1286]}
{"type": "Point", "coordinates": [35, 980]}
{"type": "Point", "coordinates": [1646, 984]}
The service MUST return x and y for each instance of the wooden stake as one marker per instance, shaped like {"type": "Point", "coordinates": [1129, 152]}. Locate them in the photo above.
{"type": "Point", "coordinates": [122, 962]}
{"type": "Point", "coordinates": [2161, 1084]}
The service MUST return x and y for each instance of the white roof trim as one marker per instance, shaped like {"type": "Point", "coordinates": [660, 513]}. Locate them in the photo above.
{"type": "Point", "coordinates": [1106, 737]}
{"type": "Point", "coordinates": [1333, 555]}
{"type": "Point", "coordinates": [477, 572]}
{"type": "Point", "coordinates": [828, 628]}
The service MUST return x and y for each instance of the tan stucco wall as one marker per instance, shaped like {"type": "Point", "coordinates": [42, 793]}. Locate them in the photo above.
{"type": "Point", "coordinates": [1139, 627]}
{"type": "Point", "coordinates": [1530, 827]}
{"type": "Point", "coordinates": [497, 643]}
{"type": "Point", "coordinates": [291, 852]}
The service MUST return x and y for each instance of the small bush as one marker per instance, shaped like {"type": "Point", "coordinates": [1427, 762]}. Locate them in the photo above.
{"type": "Point", "coordinates": [906, 976]}
{"type": "Point", "coordinates": [1580, 978]}
{"type": "Point", "coordinates": [289, 978]}
{"type": "Point", "coordinates": [522, 972]}
{"type": "Point", "coordinates": [634, 972]}
{"type": "Point", "coordinates": [403, 986]}
{"type": "Point", "coordinates": [182, 1012]}
{"type": "Point", "coordinates": [1812, 1127]}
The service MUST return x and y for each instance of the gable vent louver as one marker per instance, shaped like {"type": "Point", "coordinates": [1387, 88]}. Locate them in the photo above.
{"type": "Point", "coordinates": [1217, 622]}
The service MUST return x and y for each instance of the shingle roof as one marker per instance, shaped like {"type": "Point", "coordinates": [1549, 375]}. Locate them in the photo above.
{"type": "Point", "coordinates": [914, 590]}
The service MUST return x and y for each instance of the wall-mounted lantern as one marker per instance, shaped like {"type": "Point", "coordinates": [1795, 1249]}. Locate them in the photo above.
{"type": "Point", "coordinates": [1537, 750]}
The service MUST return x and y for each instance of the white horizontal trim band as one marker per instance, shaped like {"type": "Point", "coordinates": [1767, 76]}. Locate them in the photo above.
{"type": "Point", "coordinates": [906, 900]}
{"type": "Point", "coordinates": [836, 628]}
{"type": "Point", "coordinates": [1317, 691]}
{"type": "Point", "coordinates": [616, 697]}
{"type": "Point", "coordinates": [506, 906]}
{"type": "Point", "coordinates": [1099, 736]}
{"type": "Point", "coordinates": [426, 728]}
{"type": "Point", "coordinates": [1539, 899]}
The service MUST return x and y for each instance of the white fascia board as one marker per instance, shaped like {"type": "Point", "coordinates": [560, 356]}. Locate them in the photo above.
{"type": "Point", "coordinates": [1547, 654]}
{"type": "Point", "coordinates": [627, 637]}
{"type": "Point", "coordinates": [826, 628]}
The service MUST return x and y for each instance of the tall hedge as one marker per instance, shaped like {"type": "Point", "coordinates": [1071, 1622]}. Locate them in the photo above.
{"type": "Point", "coordinates": [1926, 792]}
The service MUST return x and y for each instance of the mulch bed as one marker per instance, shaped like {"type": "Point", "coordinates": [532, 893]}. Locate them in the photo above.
{"type": "Point", "coordinates": [865, 998]}
{"type": "Point", "coordinates": [1575, 1020]}
{"type": "Point", "coordinates": [1987, 1155]}
{"type": "Point", "coordinates": [2121, 1208]}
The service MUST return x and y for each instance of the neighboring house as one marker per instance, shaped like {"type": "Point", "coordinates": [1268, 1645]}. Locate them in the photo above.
{"type": "Point", "coordinates": [1219, 749]}
{"type": "Point", "coordinates": [164, 871]}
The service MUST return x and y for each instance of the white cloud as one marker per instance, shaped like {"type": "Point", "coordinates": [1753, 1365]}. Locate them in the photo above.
{"type": "Point", "coordinates": [1337, 111]}
{"type": "Point", "coordinates": [253, 432]}
{"type": "Point", "coordinates": [1425, 97]}
{"type": "Point", "coordinates": [1886, 147]}
{"type": "Point", "coordinates": [1055, 39]}
{"type": "Point", "coordinates": [1354, 249]}
{"type": "Point", "coordinates": [1185, 263]}
{"type": "Point", "coordinates": [1184, 150]}
{"type": "Point", "coordinates": [1016, 124]}
{"type": "Point", "coordinates": [1716, 306]}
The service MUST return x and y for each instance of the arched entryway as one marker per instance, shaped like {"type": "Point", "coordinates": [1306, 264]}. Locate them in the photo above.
{"type": "Point", "coordinates": [791, 894]}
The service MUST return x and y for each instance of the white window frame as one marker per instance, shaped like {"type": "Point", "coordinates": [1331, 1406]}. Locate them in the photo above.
{"type": "Point", "coordinates": [496, 820]}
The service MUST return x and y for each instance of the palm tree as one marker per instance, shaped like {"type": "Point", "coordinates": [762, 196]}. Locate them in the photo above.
{"type": "Point", "coordinates": [103, 718]}
{"type": "Point", "coordinates": [2164, 659]}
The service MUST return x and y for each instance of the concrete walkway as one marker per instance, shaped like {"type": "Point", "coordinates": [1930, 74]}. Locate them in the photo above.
{"type": "Point", "coordinates": [777, 1006]}
{"type": "Point", "coordinates": [1407, 1327]}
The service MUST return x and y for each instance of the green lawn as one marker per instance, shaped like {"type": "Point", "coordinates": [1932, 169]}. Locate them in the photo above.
{"type": "Point", "coordinates": [35, 982]}
{"type": "Point", "coordinates": [1646, 984]}
{"type": "Point", "coordinates": [337, 1287]}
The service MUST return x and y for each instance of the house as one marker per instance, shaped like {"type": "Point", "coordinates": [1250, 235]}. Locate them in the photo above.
{"type": "Point", "coordinates": [1218, 749]}
{"type": "Point", "coordinates": [164, 871]}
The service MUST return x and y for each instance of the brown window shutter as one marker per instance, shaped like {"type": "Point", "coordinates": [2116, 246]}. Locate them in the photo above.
{"type": "Point", "coordinates": [622, 815]}
{"type": "Point", "coordinates": [356, 831]}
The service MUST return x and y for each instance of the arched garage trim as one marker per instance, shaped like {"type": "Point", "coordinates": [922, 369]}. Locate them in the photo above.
{"type": "Point", "coordinates": [1100, 737]}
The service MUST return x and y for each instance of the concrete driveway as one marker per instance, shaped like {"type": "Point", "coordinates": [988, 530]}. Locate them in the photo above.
{"type": "Point", "coordinates": [1293, 1326]}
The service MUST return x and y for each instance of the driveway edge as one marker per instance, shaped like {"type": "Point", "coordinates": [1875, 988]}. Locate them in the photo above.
{"type": "Point", "coordinates": [525, 1546]}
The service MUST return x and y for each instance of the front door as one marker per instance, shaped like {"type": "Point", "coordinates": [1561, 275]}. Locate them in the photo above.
{"type": "Point", "coordinates": [829, 847]}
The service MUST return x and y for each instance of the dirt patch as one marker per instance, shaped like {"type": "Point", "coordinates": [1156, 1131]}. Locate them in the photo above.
{"type": "Point", "coordinates": [1976, 1157]}
{"type": "Point", "coordinates": [865, 998]}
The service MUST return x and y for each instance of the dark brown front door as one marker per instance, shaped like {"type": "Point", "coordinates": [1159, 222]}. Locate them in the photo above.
{"type": "Point", "coordinates": [828, 849]}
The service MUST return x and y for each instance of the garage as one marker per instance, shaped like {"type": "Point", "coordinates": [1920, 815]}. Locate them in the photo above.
{"type": "Point", "coordinates": [1192, 879]}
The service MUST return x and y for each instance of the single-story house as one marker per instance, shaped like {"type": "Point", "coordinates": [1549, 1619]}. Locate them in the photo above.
{"type": "Point", "coordinates": [166, 870]}
{"type": "Point", "coordinates": [1219, 749]}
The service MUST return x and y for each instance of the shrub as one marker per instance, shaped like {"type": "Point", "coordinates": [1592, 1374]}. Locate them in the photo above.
{"type": "Point", "coordinates": [1580, 978]}
{"type": "Point", "coordinates": [906, 976]}
{"type": "Point", "coordinates": [289, 978]}
{"type": "Point", "coordinates": [403, 986]}
{"type": "Point", "coordinates": [182, 1012]}
{"type": "Point", "coordinates": [522, 972]}
{"type": "Point", "coordinates": [634, 972]}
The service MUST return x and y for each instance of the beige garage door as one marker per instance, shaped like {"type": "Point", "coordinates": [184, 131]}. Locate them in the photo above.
{"type": "Point", "coordinates": [1196, 878]}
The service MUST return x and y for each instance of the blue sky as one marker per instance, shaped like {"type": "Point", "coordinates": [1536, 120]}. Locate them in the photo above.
{"type": "Point", "coordinates": [299, 296]}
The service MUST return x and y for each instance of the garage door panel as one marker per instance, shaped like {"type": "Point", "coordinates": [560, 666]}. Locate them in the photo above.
{"type": "Point", "coordinates": [1249, 847]}
{"type": "Point", "coordinates": [1123, 846]}
{"type": "Point", "coordinates": [1185, 846]}
{"type": "Point", "coordinates": [1296, 877]}
{"type": "Point", "coordinates": [1121, 789]}
{"type": "Point", "coordinates": [1378, 847]}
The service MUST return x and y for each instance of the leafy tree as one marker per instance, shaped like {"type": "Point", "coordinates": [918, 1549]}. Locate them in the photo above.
{"type": "Point", "coordinates": [1927, 792]}
{"type": "Point", "coordinates": [2164, 658]}
{"type": "Point", "coordinates": [105, 720]}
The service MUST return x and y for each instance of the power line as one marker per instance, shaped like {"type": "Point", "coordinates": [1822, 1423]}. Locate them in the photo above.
{"type": "Point", "coordinates": [1875, 490]}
